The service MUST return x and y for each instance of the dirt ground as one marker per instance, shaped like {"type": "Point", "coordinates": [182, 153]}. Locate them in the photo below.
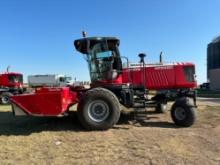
{"type": "Point", "coordinates": [29, 140]}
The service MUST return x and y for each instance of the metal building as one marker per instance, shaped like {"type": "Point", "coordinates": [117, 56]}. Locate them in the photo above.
{"type": "Point", "coordinates": [213, 63]}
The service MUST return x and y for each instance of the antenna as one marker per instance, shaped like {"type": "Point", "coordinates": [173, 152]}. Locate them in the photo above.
{"type": "Point", "coordinates": [8, 67]}
{"type": "Point", "coordinates": [84, 34]}
{"type": "Point", "coordinates": [161, 57]}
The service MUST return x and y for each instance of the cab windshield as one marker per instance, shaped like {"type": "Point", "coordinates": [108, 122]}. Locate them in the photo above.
{"type": "Point", "coordinates": [15, 78]}
{"type": "Point", "coordinates": [103, 58]}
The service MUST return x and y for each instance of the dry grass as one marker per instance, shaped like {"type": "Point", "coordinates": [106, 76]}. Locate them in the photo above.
{"type": "Point", "coordinates": [29, 140]}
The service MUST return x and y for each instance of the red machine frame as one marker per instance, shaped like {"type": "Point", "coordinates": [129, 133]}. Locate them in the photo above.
{"type": "Point", "coordinates": [99, 105]}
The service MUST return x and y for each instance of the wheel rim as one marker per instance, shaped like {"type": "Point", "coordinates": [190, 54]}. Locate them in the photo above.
{"type": "Point", "coordinates": [98, 110]}
{"type": "Point", "coordinates": [5, 100]}
{"type": "Point", "coordinates": [180, 113]}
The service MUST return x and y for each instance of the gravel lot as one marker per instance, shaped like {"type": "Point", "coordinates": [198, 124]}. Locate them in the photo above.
{"type": "Point", "coordinates": [29, 140]}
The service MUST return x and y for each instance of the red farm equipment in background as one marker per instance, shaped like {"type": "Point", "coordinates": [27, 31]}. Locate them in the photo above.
{"type": "Point", "coordinates": [10, 84]}
{"type": "Point", "coordinates": [115, 83]}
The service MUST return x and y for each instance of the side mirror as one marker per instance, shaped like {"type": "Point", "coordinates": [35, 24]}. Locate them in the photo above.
{"type": "Point", "coordinates": [81, 45]}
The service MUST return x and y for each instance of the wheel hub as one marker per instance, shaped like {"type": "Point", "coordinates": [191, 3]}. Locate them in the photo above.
{"type": "Point", "coordinates": [180, 113]}
{"type": "Point", "coordinates": [98, 110]}
{"type": "Point", "coordinates": [5, 99]}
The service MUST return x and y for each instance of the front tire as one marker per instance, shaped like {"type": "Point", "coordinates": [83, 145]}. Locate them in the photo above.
{"type": "Point", "coordinates": [5, 98]}
{"type": "Point", "coordinates": [98, 109]}
{"type": "Point", "coordinates": [183, 113]}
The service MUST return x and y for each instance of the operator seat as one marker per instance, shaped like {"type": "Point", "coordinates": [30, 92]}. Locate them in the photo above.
{"type": "Point", "coordinates": [116, 67]}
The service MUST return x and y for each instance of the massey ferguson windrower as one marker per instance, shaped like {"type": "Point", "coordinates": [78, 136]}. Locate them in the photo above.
{"type": "Point", "coordinates": [116, 82]}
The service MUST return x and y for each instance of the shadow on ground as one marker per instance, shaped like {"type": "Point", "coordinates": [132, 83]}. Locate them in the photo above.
{"type": "Point", "coordinates": [149, 122]}
{"type": "Point", "coordinates": [11, 125]}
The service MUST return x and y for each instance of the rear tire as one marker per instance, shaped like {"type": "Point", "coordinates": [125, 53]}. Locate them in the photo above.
{"type": "Point", "coordinates": [98, 109]}
{"type": "Point", "coordinates": [183, 113]}
{"type": "Point", "coordinates": [5, 98]}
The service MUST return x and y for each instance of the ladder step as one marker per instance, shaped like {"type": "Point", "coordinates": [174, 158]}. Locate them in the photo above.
{"type": "Point", "coordinates": [141, 110]}
{"type": "Point", "coordinates": [138, 106]}
{"type": "Point", "coordinates": [139, 94]}
{"type": "Point", "coordinates": [139, 102]}
{"type": "Point", "coordinates": [150, 105]}
{"type": "Point", "coordinates": [140, 117]}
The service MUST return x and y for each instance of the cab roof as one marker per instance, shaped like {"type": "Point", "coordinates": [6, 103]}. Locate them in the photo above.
{"type": "Point", "coordinates": [11, 73]}
{"type": "Point", "coordinates": [81, 44]}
